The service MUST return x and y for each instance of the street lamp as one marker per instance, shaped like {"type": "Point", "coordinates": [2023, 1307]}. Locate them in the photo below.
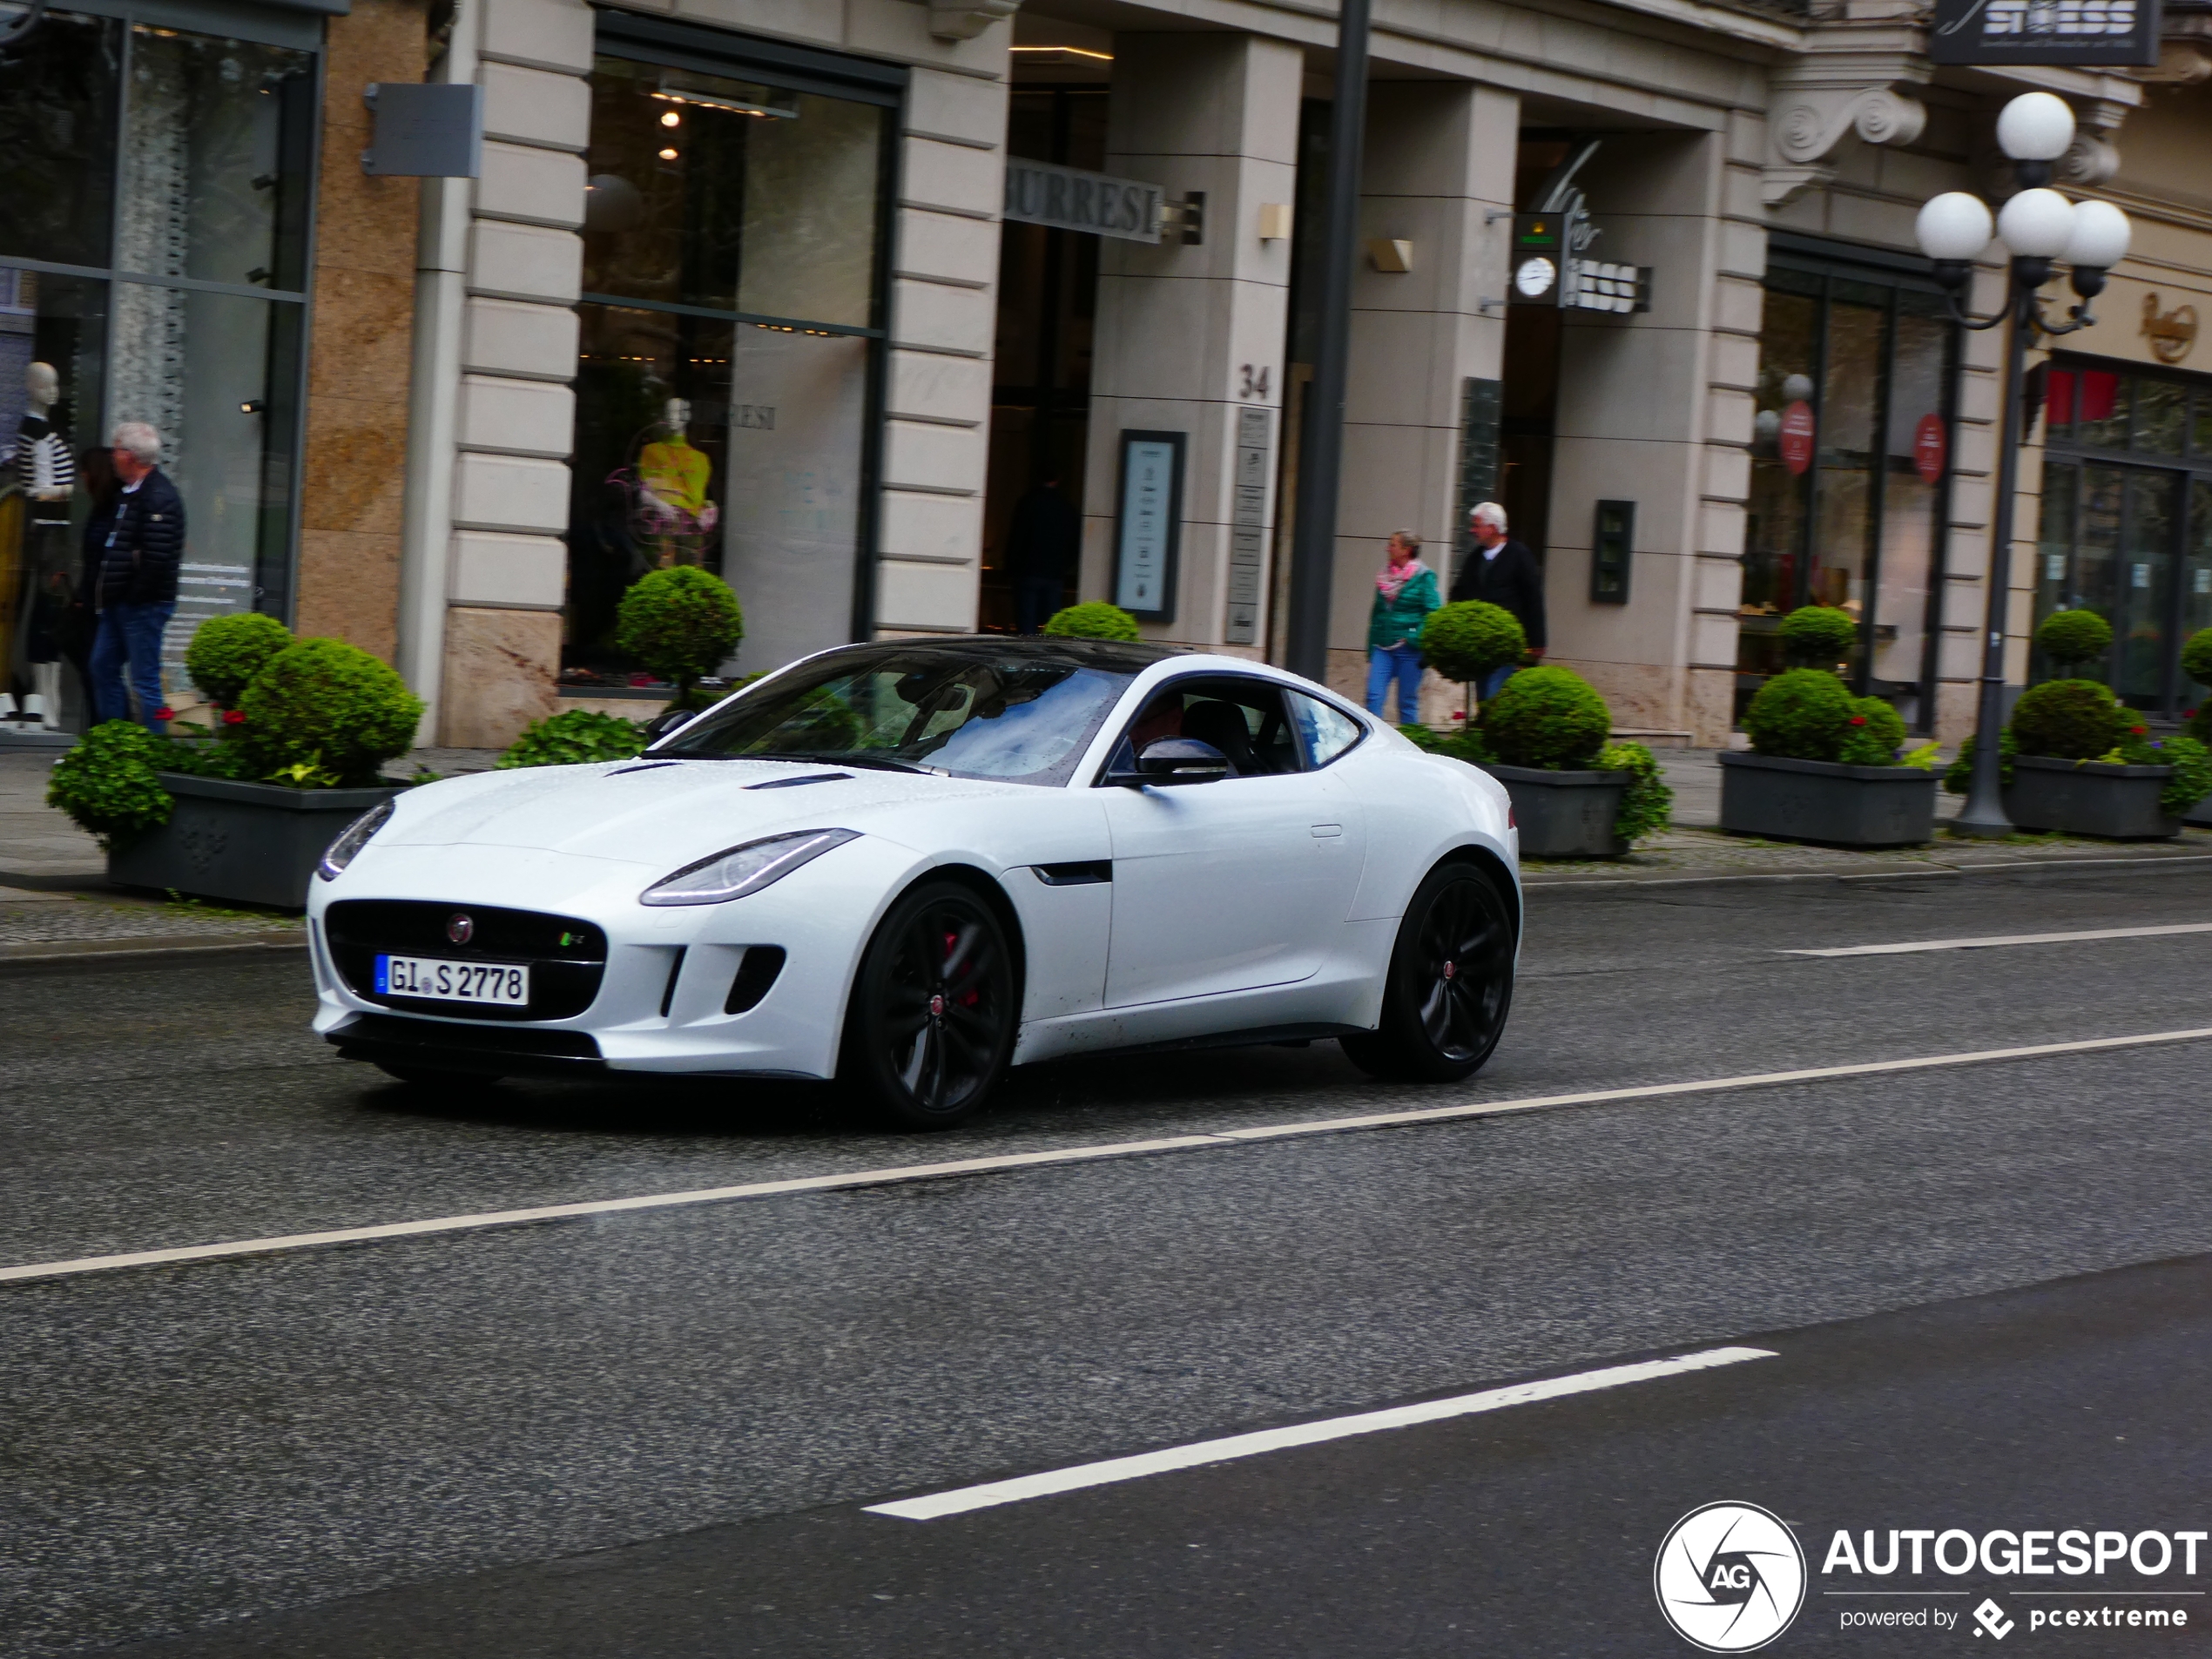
{"type": "Point", "coordinates": [2038, 227]}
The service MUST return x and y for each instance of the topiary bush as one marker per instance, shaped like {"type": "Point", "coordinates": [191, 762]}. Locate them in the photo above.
{"type": "Point", "coordinates": [2073, 639]}
{"type": "Point", "coordinates": [1549, 718]}
{"type": "Point", "coordinates": [574, 738]}
{"type": "Point", "coordinates": [1818, 636]}
{"type": "Point", "coordinates": [2196, 663]}
{"type": "Point", "coordinates": [1873, 734]}
{"type": "Point", "coordinates": [226, 652]}
{"type": "Point", "coordinates": [2069, 720]}
{"type": "Point", "coordinates": [1647, 805]}
{"type": "Point", "coordinates": [1465, 744]}
{"type": "Point", "coordinates": [1465, 640]}
{"type": "Point", "coordinates": [1958, 778]}
{"type": "Point", "coordinates": [328, 706]}
{"type": "Point", "coordinates": [106, 781]}
{"type": "Point", "coordinates": [2192, 779]}
{"type": "Point", "coordinates": [1800, 714]}
{"type": "Point", "coordinates": [1094, 620]}
{"type": "Point", "coordinates": [682, 624]}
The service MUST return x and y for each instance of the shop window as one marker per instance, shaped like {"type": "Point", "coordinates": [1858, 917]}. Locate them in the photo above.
{"type": "Point", "coordinates": [154, 193]}
{"type": "Point", "coordinates": [733, 279]}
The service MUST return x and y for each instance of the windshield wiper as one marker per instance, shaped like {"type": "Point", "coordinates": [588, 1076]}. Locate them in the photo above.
{"type": "Point", "coordinates": [862, 758]}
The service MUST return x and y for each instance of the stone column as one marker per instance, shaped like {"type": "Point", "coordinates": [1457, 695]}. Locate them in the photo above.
{"type": "Point", "coordinates": [1440, 160]}
{"type": "Point", "coordinates": [1190, 338]}
{"type": "Point", "coordinates": [1655, 408]}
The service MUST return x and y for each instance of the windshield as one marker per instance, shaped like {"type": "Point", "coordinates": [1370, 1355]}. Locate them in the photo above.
{"type": "Point", "coordinates": [1022, 711]}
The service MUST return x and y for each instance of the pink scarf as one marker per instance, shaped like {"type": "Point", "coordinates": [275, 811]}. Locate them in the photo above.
{"type": "Point", "coordinates": [1388, 584]}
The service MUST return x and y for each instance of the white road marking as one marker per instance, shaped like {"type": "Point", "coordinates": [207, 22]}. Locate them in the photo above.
{"type": "Point", "coordinates": [1070, 1154]}
{"type": "Point", "coordinates": [940, 1504]}
{"type": "Point", "coordinates": [1995, 940]}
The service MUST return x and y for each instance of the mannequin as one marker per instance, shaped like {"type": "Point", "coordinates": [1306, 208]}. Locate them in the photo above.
{"type": "Point", "coordinates": [672, 478]}
{"type": "Point", "coordinates": [45, 471]}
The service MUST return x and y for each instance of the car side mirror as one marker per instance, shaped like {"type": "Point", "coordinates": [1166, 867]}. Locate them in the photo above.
{"type": "Point", "coordinates": [665, 722]}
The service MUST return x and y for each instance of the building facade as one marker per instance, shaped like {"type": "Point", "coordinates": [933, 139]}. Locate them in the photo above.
{"type": "Point", "coordinates": [815, 293]}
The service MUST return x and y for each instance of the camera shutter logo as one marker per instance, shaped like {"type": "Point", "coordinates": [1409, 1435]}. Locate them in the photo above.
{"type": "Point", "coordinates": [1730, 1577]}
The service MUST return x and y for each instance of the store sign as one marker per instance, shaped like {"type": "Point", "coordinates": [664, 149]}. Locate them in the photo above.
{"type": "Point", "coordinates": [1126, 209]}
{"type": "Point", "coordinates": [1795, 438]}
{"type": "Point", "coordinates": [1931, 447]}
{"type": "Point", "coordinates": [2044, 31]}
{"type": "Point", "coordinates": [1539, 256]}
{"type": "Point", "coordinates": [1150, 524]}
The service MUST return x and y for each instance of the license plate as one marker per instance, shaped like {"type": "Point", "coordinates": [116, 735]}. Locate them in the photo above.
{"type": "Point", "coordinates": [426, 976]}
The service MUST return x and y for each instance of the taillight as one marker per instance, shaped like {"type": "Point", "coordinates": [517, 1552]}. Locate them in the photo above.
{"type": "Point", "coordinates": [1512, 823]}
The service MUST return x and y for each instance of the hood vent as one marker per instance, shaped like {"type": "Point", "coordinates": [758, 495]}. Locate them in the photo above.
{"type": "Point", "coordinates": [811, 777]}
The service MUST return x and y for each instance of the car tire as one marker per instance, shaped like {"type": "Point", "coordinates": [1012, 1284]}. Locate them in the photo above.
{"type": "Point", "coordinates": [930, 1028]}
{"type": "Point", "coordinates": [1449, 984]}
{"type": "Point", "coordinates": [425, 1077]}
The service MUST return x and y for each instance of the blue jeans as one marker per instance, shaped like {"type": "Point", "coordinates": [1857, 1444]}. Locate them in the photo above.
{"type": "Point", "coordinates": [1400, 663]}
{"type": "Point", "coordinates": [1493, 682]}
{"type": "Point", "coordinates": [132, 633]}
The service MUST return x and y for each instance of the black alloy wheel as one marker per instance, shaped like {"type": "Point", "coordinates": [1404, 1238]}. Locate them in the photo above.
{"type": "Point", "coordinates": [931, 1026]}
{"type": "Point", "coordinates": [1450, 983]}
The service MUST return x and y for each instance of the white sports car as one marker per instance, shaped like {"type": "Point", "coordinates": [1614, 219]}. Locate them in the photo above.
{"type": "Point", "coordinates": [909, 865]}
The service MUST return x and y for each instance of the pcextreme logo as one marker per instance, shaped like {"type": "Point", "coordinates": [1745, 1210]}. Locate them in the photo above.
{"type": "Point", "coordinates": [1730, 1577]}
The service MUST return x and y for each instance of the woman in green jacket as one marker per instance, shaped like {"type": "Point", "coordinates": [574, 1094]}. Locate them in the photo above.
{"type": "Point", "coordinates": [1404, 594]}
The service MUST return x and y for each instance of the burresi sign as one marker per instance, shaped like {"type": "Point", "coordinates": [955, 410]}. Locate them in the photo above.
{"type": "Point", "coordinates": [1068, 199]}
{"type": "Point", "coordinates": [2044, 31]}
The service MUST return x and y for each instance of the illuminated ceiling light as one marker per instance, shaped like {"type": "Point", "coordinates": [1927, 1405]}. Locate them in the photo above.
{"type": "Point", "coordinates": [668, 155]}
{"type": "Point", "coordinates": [707, 101]}
{"type": "Point", "coordinates": [1072, 51]}
{"type": "Point", "coordinates": [671, 119]}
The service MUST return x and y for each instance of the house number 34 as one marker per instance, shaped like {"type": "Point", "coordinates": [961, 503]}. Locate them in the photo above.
{"type": "Point", "coordinates": [1252, 381]}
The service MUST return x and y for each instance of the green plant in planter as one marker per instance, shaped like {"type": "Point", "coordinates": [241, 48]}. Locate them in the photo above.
{"type": "Point", "coordinates": [1465, 640]}
{"type": "Point", "coordinates": [574, 738]}
{"type": "Point", "coordinates": [330, 705]}
{"type": "Point", "coordinates": [2069, 720]}
{"type": "Point", "coordinates": [2073, 639]}
{"type": "Point", "coordinates": [1467, 744]}
{"type": "Point", "coordinates": [226, 652]}
{"type": "Point", "coordinates": [1094, 620]}
{"type": "Point", "coordinates": [2196, 663]}
{"type": "Point", "coordinates": [1872, 735]}
{"type": "Point", "coordinates": [681, 623]}
{"type": "Point", "coordinates": [1818, 636]}
{"type": "Point", "coordinates": [107, 783]}
{"type": "Point", "coordinates": [1647, 806]}
{"type": "Point", "coordinates": [2192, 779]}
{"type": "Point", "coordinates": [1549, 718]}
{"type": "Point", "coordinates": [1958, 778]}
{"type": "Point", "coordinates": [1800, 714]}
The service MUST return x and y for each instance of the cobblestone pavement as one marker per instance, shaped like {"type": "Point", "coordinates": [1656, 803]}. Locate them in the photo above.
{"type": "Point", "coordinates": [34, 918]}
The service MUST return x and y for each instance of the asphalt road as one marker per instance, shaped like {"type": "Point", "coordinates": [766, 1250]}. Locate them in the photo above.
{"type": "Point", "coordinates": [203, 1447]}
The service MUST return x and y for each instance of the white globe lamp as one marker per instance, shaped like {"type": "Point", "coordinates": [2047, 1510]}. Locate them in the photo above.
{"type": "Point", "coordinates": [2036, 223]}
{"type": "Point", "coordinates": [2099, 237]}
{"type": "Point", "coordinates": [2035, 127]}
{"type": "Point", "coordinates": [1953, 227]}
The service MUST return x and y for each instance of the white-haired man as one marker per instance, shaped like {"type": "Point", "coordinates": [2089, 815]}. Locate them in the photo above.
{"type": "Point", "coordinates": [1505, 573]}
{"type": "Point", "coordinates": [137, 580]}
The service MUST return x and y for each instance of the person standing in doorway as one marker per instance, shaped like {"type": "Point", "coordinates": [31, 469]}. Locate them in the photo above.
{"type": "Point", "coordinates": [1041, 546]}
{"type": "Point", "coordinates": [1503, 572]}
{"type": "Point", "coordinates": [138, 581]}
{"type": "Point", "coordinates": [1405, 595]}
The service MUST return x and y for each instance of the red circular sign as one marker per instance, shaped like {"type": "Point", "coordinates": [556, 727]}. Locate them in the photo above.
{"type": "Point", "coordinates": [1930, 445]}
{"type": "Point", "coordinates": [1797, 436]}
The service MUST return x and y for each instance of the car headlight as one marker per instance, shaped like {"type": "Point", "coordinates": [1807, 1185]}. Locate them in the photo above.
{"type": "Point", "coordinates": [352, 839]}
{"type": "Point", "coordinates": [737, 871]}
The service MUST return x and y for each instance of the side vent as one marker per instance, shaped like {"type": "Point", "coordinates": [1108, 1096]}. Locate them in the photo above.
{"type": "Point", "coordinates": [756, 974]}
{"type": "Point", "coordinates": [668, 991]}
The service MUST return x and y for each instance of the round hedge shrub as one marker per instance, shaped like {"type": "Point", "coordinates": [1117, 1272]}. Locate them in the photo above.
{"type": "Point", "coordinates": [2069, 720]}
{"type": "Point", "coordinates": [1549, 718]}
{"type": "Point", "coordinates": [682, 624]}
{"type": "Point", "coordinates": [328, 705]}
{"type": "Point", "coordinates": [1096, 620]}
{"type": "Point", "coordinates": [2192, 780]}
{"type": "Point", "coordinates": [574, 738]}
{"type": "Point", "coordinates": [106, 781]}
{"type": "Point", "coordinates": [226, 652]}
{"type": "Point", "coordinates": [2196, 656]}
{"type": "Point", "coordinates": [2071, 638]}
{"type": "Point", "coordinates": [1872, 735]}
{"type": "Point", "coordinates": [1800, 714]}
{"type": "Point", "coordinates": [1818, 636]}
{"type": "Point", "coordinates": [1465, 640]}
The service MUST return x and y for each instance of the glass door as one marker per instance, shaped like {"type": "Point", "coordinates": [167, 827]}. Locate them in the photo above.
{"type": "Point", "coordinates": [2144, 574]}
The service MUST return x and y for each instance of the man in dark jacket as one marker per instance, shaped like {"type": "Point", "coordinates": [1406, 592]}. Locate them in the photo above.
{"type": "Point", "coordinates": [1041, 546]}
{"type": "Point", "coordinates": [137, 580]}
{"type": "Point", "coordinates": [1503, 572]}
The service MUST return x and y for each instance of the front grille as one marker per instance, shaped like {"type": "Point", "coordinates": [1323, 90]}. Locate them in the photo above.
{"type": "Point", "coordinates": [400, 1041]}
{"type": "Point", "coordinates": [567, 957]}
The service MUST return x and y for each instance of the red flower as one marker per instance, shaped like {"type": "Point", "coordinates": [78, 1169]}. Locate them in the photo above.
{"type": "Point", "coordinates": [2140, 730]}
{"type": "Point", "coordinates": [231, 717]}
{"type": "Point", "coordinates": [1858, 720]}
{"type": "Point", "coordinates": [2188, 714]}
{"type": "Point", "coordinates": [164, 714]}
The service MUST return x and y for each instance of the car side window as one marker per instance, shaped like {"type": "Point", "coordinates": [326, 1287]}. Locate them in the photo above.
{"type": "Point", "coordinates": [1326, 732]}
{"type": "Point", "coordinates": [1243, 718]}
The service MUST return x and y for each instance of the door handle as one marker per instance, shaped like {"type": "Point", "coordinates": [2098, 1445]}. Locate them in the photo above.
{"type": "Point", "coordinates": [1323, 831]}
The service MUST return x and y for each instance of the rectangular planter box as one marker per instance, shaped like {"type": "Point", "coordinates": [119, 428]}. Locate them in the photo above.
{"type": "Point", "coordinates": [1823, 801]}
{"type": "Point", "coordinates": [1565, 815]}
{"type": "Point", "coordinates": [248, 843]}
{"type": "Point", "coordinates": [2089, 798]}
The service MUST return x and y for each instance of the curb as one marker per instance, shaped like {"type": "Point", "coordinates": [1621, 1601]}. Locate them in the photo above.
{"type": "Point", "coordinates": [1612, 885]}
